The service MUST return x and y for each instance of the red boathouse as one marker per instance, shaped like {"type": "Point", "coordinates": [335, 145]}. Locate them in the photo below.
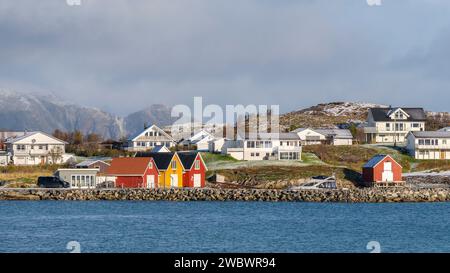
{"type": "Point", "coordinates": [194, 169]}
{"type": "Point", "coordinates": [134, 172]}
{"type": "Point", "coordinates": [382, 170]}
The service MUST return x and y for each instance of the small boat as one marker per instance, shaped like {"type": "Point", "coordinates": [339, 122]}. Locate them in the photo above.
{"type": "Point", "coordinates": [320, 182]}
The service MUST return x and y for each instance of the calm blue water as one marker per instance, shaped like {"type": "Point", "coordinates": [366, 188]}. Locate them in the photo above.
{"type": "Point", "coordinates": [222, 226]}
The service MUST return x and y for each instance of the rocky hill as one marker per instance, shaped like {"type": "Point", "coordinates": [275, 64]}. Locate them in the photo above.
{"type": "Point", "coordinates": [327, 115]}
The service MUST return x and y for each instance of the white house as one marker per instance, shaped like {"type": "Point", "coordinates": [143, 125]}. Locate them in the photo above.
{"type": "Point", "coordinates": [219, 145]}
{"type": "Point", "coordinates": [392, 125]}
{"type": "Point", "coordinates": [149, 138]}
{"type": "Point", "coordinates": [201, 139]}
{"type": "Point", "coordinates": [35, 148]}
{"type": "Point", "coordinates": [429, 145]}
{"type": "Point", "coordinates": [267, 146]}
{"type": "Point", "coordinates": [3, 159]}
{"type": "Point", "coordinates": [313, 136]}
{"type": "Point", "coordinates": [336, 136]}
{"type": "Point", "coordinates": [309, 136]}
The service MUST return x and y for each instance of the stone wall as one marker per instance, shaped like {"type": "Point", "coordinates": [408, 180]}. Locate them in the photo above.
{"type": "Point", "coordinates": [372, 195]}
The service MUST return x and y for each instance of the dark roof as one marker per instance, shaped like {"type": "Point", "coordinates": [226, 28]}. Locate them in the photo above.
{"type": "Point", "coordinates": [187, 159]}
{"type": "Point", "coordinates": [381, 114]}
{"type": "Point", "coordinates": [375, 160]}
{"type": "Point", "coordinates": [162, 160]}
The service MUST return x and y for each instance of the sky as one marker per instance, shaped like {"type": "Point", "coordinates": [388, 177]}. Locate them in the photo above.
{"type": "Point", "coordinates": [122, 56]}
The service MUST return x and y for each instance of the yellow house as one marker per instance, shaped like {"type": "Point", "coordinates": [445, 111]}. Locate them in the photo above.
{"type": "Point", "coordinates": [170, 169]}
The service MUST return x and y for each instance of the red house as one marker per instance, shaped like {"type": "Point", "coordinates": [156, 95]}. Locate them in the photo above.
{"type": "Point", "coordinates": [194, 169]}
{"type": "Point", "coordinates": [134, 172]}
{"type": "Point", "coordinates": [382, 169]}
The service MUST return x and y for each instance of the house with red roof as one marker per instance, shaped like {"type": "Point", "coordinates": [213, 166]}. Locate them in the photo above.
{"type": "Point", "coordinates": [134, 172]}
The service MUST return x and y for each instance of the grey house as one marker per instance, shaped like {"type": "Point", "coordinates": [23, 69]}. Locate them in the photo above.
{"type": "Point", "coordinates": [80, 178]}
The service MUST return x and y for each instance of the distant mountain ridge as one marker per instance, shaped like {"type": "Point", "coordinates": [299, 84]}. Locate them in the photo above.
{"type": "Point", "coordinates": [26, 111]}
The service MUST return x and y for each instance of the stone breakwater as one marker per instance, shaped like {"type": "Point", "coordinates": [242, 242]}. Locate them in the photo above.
{"type": "Point", "coordinates": [368, 195]}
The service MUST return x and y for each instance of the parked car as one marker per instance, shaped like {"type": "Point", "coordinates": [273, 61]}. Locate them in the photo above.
{"type": "Point", "coordinates": [320, 182]}
{"type": "Point", "coordinates": [51, 182]}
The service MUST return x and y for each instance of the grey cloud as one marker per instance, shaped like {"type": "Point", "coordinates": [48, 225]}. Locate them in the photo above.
{"type": "Point", "coordinates": [124, 55]}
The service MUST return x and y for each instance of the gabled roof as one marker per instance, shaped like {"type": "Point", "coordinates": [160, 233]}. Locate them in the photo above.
{"type": "Point", "coordinates": [129, 166]}
{"type": "Point", "coordinates": [445, 129]}
{"type": "Point", "coordinates": [160, 149]}
{"type": "Point", "coordinates": [188, 159]}
{"type": "Point", "coordinates": [162, 160]}
{"type": "Point", "coordinates": [87, 163]}
{"type": "Point", "coordinates": [374, 161]}
{"type": "Point", "coordinates": [29, 134]}
{"type": "Point", "coordinates": [382, 114]}
{"type": "Point", "coordinates": [200, 135]}
{"type": "Point", "coordinates": [394, 110]}
{"type": "Point", "coordinates": [151, 128]}
{"type": "Point", "coordinates": [431, 134]}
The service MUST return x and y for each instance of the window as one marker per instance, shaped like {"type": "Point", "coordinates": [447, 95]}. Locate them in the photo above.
{"type": "Point", "coordinates": [174, 164]}
{"type": "Point", "coordinates": [444, 141]}
{"type": "Point", "coordinates": [73, 181]}
{"type": "Point", "coordinates": [415, 125]}
{"type": "Point", "coordinates": [427, 142]}
{"type": "Point", "coordinates": [150, 165]}
{"type": "Point", "coordinates": [20, 147]}
{"type": "Point", "coordinates": [197, 164]}
{"type": "Point", "coordinates": [257, 154]}
{"type": "Point", "coordinates": [388, 126]}
{"type": "Point", "coordinates": [399, 127]}
{"type": "Point", "coordinates": [252, 154]}
{"type": "Point", "coordinates": [289, 156]}
{"type": "Point", "coordinates": [421, 142]}
{"type": "Point", "coordinates": [250, 144]}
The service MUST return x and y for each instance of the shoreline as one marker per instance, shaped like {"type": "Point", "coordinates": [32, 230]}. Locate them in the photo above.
{"type": "Point", "coordinates": [365, 195]}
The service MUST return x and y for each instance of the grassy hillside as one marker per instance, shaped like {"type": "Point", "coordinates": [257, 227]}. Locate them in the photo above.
{"type": "Point", "coordinates": [354, 157]}
{"type": "Point", "coordinates": [284, 176]}
{"type": "Point", "coordinates": [25, 176]}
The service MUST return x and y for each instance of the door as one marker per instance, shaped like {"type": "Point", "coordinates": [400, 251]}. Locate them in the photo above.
{"type": "Point", "coordinates": [174, 181]}
{"type": "Point", "coordinates": [388, 175]}
{"type": "Point", "coordinates": [442, 154]}
{"type": "Point", "coordinates": [197, 180]}
{"type": "Point", "coordinates": [150, 181]}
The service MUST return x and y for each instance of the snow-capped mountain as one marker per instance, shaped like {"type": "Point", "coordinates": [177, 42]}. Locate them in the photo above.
{"type": "Point", "coordinates": [25, 111]}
